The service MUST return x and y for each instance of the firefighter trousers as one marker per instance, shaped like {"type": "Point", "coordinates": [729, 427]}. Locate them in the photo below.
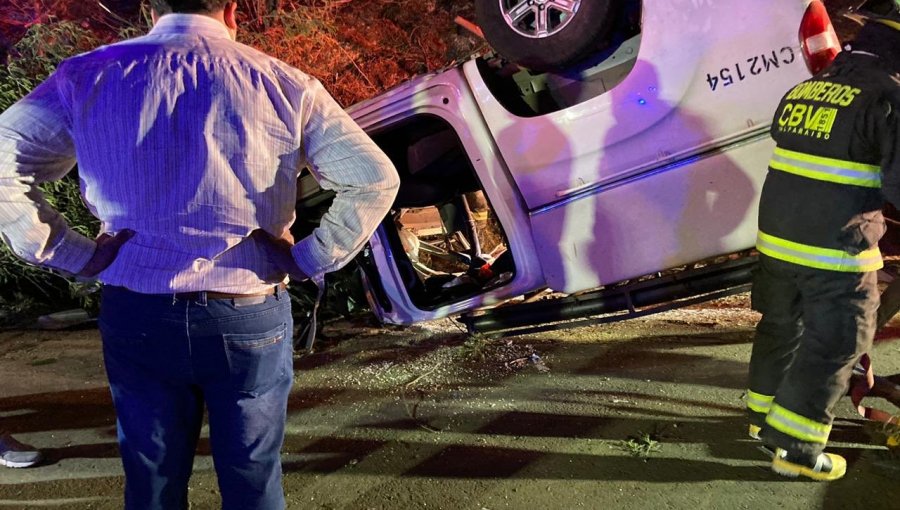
{"type": "Point", "coordinates": [815, 325]}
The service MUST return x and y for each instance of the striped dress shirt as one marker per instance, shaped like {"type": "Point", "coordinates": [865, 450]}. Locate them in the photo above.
{"type": "Point", "coordinates": [193, 141]}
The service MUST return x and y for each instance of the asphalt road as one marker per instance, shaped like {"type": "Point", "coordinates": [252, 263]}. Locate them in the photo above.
{"type": "Point", "coordinates": [640, 414]}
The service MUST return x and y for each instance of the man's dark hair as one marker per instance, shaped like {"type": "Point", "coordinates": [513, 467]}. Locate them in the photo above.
{"type": "Point", "coordinates": [188, 6]}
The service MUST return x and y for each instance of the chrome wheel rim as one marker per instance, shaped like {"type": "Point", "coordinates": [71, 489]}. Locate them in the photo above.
{"type": "Point", "coordinates": [537, 19]}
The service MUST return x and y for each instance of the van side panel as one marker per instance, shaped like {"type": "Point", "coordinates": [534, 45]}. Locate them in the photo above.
{"type": "Point", "coordinates": [671, 217]}
{"type": "Point", "coordinates": [706, 71]}
{"type": "Point", "coordinates": [665, 168]}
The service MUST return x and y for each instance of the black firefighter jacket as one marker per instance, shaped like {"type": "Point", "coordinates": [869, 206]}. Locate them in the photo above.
{"type": "Point", "coordinates": [837, 159]}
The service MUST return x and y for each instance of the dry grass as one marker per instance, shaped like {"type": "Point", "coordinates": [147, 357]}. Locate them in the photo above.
{"type": "Point", "coordinates": [357, 48]}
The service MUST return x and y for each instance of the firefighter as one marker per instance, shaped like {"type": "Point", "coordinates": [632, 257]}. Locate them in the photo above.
{"type": "Point", "coordinates": [837, 158]}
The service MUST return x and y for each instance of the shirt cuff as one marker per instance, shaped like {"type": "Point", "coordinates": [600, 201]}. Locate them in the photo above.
{"type": "Point", "coordinates": [72, 253]}
{"type": "Point", "coordinates": [311, 262]}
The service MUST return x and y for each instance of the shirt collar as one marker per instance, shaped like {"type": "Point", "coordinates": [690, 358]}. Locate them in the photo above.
{"type": "Point", "coordinates": [179, 23]}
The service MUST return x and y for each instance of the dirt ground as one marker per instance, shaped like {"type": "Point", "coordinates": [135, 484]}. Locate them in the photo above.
{"type": "Point", "coordinates": [639, 414]}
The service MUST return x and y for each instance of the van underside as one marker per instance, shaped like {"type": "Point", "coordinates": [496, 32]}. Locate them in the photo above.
{"type": "Point", "coordinates": [703, 281]}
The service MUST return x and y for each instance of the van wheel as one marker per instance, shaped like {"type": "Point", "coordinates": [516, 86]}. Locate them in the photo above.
{"type": "Point", "coordinates": [545, 35]}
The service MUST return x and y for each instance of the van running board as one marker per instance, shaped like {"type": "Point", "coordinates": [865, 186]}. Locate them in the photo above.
{"type": "Point", "coordinates": [646, 297]}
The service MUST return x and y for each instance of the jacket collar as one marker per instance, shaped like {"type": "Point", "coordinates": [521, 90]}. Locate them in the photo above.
{"type": "Point", "coordinates": [197, 24]}
{"type": "Point", "coordinates": [882, 40]}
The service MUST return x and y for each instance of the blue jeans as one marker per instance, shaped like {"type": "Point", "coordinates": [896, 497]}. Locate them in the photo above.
{"type": "Point", "coordinates": [166, 358]}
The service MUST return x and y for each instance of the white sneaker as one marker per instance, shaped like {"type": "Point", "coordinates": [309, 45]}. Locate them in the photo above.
{"type": "Point", "coordinates": [14, 454]}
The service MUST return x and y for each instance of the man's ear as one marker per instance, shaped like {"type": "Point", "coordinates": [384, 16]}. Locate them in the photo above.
{"type": "Point", "coordinates": [230, 15]}
{"type": "Point", "coordinates": [154, 17]}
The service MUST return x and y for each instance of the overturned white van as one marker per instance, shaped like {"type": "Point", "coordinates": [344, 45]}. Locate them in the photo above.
{"type": "Point", "coordinates": [593, 182]}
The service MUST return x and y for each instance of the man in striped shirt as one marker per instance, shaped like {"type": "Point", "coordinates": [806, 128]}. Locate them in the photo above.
{"type": "Point", "coordinates": [188, 146]}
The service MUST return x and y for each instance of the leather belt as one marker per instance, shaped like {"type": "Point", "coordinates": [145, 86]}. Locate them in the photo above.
{"type": "Point", "coordinates": [193, 296]}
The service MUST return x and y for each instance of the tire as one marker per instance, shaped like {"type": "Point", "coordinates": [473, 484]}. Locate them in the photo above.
{"type": "Point", "coordinates": [566, 40]}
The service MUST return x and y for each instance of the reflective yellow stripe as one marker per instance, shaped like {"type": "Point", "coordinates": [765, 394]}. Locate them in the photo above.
{"type": "Point", "coordinates": [892, 24]}
{"type": "Point", "coordinates": [819, 258]}
{"type": "Point", "coordinates": [797, 426]}
{"type": "Point", "coordinates": [826, 169]}
{"type": "Point", "coordinates": [758, 402]}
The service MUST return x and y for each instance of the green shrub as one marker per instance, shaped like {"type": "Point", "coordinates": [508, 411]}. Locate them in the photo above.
{"type": "Point", "coordinates": [32, 60]}
{"type": "Point", "coordinates": [38, 53]}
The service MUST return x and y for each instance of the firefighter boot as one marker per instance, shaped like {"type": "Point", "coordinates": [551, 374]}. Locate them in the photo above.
{"type": "Point", "coordinates": [825, 467]}
{"type": "Point", "coordinates": [753, 432]}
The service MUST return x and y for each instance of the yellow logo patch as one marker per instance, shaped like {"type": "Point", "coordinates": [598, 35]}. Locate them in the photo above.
{"type": "Point", "coordinates": [807, 120]}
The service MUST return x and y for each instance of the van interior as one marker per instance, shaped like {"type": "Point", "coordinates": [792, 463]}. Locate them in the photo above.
{"type": "Point", "coordinates": [442, 232]}
{"type": "Point", "coordinates": [445, 238]}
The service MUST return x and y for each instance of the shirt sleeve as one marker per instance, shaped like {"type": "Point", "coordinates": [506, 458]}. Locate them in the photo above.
{"type": "Point", "coordinates": [36, 146]}
{"type": "Point", "coordinates": [342, 158]}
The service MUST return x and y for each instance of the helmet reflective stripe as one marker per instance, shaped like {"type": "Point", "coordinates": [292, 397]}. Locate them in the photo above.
{"type": "Point", "coordinates": [893, 24]}
{"type": "Point", "coordinates": [826, 169]}
{"type": "Point", "coordinates": [758, 402]}
{"type": "Point", "coordinates": [816, 257]}
{"type": "Point", "coordinates": [797, 426]}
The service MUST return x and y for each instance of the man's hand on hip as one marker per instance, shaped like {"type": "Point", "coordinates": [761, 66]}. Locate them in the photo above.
{"type": "Point", "coordinates": [106, 252]}
{"type": "Point", "coordinates": [279, 252]}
